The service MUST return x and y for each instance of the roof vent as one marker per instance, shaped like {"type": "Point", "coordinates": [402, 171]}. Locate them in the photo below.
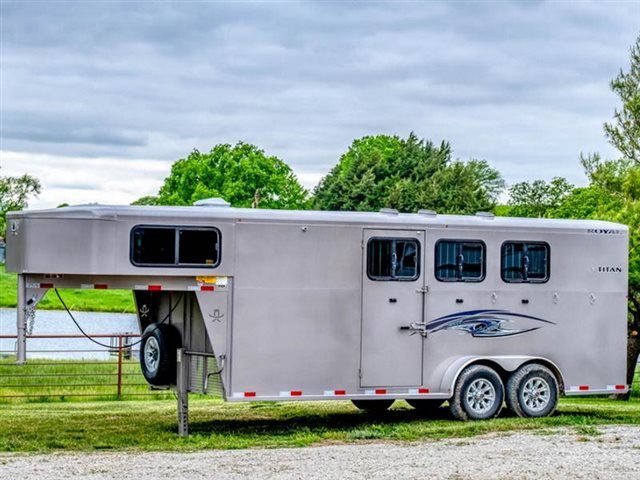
{"type": "Point", "coordinates": [212, 202]}
{"type": "Point", "coordinates": [389, 211]}
{"type": "Point", "coordinates": [427, 213]}
{"type": "Point", "coordinates": [487, 215]}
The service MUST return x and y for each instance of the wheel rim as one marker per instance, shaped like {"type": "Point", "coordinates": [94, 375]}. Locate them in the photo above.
{"type": "Point", "coordinates": [151, 354]}
{"type": "Point", "coordinates": [536, 394]}
{"type": "Point", "coordinates": [481, 396]}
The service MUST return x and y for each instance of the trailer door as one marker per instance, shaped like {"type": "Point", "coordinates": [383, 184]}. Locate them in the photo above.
{"type": "Point", "coordinates": [392, 298]}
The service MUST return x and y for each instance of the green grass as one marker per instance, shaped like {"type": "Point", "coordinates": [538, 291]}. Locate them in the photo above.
{"type": "Point", "coordinates": [151, 425]}
{"type": "Point", "coordinates": [71, 380]}
{"type": "Point", "coordinates": [119, 301]}
{"type": "Point", "coordinates": [53, 423]}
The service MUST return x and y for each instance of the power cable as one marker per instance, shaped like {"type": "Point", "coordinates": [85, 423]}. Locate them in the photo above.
{"type": "Point", "coordinates": [167, 316]}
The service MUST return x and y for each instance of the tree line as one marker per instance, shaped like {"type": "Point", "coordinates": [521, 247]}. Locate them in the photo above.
{"type": "Point", "coordinates": [387, 171]}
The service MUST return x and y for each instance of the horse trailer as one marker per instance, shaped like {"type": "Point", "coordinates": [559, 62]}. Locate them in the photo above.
{"type": "Point", "coordinates": [370, 307]}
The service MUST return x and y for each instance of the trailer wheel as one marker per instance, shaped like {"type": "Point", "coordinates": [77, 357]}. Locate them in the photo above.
{"type": "Point", "coordinates": [532, 391]}
{"type": "Point", "coordinates": [425, 405]}
{"type": "Point", "coordinates": [373, 406]}
{"type": "Point", "coordinates": [478, 394]}
{"type": "Point", "coordinates": [158, 354]}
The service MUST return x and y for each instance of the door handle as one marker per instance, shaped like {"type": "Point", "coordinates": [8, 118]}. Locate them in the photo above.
{"type": "Point", "coordinates": [416, 327]}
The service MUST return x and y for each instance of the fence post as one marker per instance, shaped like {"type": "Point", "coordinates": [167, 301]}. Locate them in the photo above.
{"type": "Point", "coordinates": [119, 367]}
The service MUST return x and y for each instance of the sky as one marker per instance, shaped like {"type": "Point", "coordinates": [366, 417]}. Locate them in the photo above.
{"type": "Point", "coordinates": [98, 99]}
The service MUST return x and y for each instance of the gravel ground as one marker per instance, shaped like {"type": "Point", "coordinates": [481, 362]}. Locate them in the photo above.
{"type": "Point", "coordinates": [610, 452]}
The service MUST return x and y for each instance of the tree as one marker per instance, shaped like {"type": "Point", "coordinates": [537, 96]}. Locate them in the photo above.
{"type": "Point", "coordinates": [148, 200]}
{"type": "Point", "coordinates": [241, 174]}
{"type": "Point", "coordinates": [407, 174]}
{"type": "Point", "coordinates": [624, 131]}
{"type": "Point", "coordinates": [538, 198]}
{"type": "Point", "coordinates": [14, 194]}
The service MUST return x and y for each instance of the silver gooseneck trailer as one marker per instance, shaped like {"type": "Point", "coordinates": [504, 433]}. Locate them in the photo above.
{"type": "Point", "coordinates": [370, 307]}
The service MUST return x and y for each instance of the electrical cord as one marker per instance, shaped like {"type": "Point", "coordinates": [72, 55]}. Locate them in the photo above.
{"type": "Point", "coordinates": [167, 316]}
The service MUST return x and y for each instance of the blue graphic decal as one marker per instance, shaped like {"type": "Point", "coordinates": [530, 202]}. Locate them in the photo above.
{"type": "Point", "coordinates": [487, 323]}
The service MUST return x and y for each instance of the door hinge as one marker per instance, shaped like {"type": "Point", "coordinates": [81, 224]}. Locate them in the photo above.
{"type": "Point", "coordinates": [360, 373]}
{"type": "Point", "coordinates": [423, 289]}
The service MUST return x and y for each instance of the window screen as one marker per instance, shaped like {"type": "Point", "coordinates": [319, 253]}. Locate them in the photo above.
{"type": "Point", "coordinates": [393, 259]}
{"type": "Point", "coordinates": [459, 261]}
{"type": "Point", "coordinates": [175, 246]}
{"type": "Point", "coordinates": [525, 262]}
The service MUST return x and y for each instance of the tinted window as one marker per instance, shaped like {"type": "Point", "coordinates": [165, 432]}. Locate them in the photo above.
{"type": "Point", "coordinates": [198, 247]}
{"type": "Point", "coordinates": [525, 262]}
{"type": "Point", "coordinates": [459, 261]}
{"type": "Point", "coordinates": [392, 259]}
{"type": "Point", "coordinates": [154, 246]}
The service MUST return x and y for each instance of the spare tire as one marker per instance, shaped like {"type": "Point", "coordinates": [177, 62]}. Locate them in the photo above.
{"type": "Point", "coordinates": [158, 354]}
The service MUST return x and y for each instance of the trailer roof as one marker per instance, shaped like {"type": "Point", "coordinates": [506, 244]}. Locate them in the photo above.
{"type": "Point", "coordinates": [384, 217]}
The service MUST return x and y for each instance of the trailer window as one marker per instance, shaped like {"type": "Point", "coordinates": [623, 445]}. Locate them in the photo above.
{"type": "Point", "coordinates": [460, 261]}
{"type": "Point", "coordinates": [154, 246]}
{"type": "Point", "coordinates": [198, 247]}
{"type": "Point", "coordinates": [393, 259]}
{"type": "Point", "coordinates": [525, 262]}
{"type": "Point", "coordinates": [175, 246]}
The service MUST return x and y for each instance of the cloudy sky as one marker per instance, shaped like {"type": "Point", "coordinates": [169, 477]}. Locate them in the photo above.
{"type": "Point", "coordinates": [97, 99]}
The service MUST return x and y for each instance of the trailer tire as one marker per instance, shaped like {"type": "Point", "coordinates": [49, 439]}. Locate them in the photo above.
{"type": "Point", "coordinates": [425, 405]}
{"type": "Point", "coordinates": [373, 406]}
{"type": "Point", "coordinates": [532, 391]}
{"type": "Point", "coordinates": [478, 394]}
{"type": "Point", "coordinates": [158, 354]}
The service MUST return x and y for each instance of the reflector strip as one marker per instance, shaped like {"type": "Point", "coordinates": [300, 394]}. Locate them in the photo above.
{"type": "Point", "coordinates": [616, 387]}
{"type": "Point", "coordinates": [97, 286]}
{"type": "Point", "coordinates": [418, 391]}
{"type": "Point", "coordinates": [583, 387]}
{"type": "Point", "coordinates": [291, 393]}
{"type": "Point", "coordinates": [46, 285]}
{"type": "Point", "coordinates": [151, 288]}
{"type": "Point", "coordinates": [381, 391]}
{"type": "Point", "coordinates": [332, 393]}
{"type": "Point", "coordinates": [249, 394]}
{"type": "Point", "coordinates": [201, 288]}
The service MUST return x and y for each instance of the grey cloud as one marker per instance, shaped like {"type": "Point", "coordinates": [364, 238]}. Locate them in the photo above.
{"type": "Point", "coordinates": [74, 185]}
{"type": "Point", "coordinates": [521, 84]}
{"type": "Point", "coordinates": [54, 134]}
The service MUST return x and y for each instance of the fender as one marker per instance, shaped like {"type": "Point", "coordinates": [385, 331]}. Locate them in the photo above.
{"type": "Point", "coordinates": [509, 363]}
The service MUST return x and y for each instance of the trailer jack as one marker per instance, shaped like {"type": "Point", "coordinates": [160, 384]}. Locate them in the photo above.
{"type": "Point", "coordinates": [183, 361]}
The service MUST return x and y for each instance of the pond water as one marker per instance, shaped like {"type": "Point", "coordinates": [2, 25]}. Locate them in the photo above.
{"type": "Point", "coordinates": [58, 322]}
